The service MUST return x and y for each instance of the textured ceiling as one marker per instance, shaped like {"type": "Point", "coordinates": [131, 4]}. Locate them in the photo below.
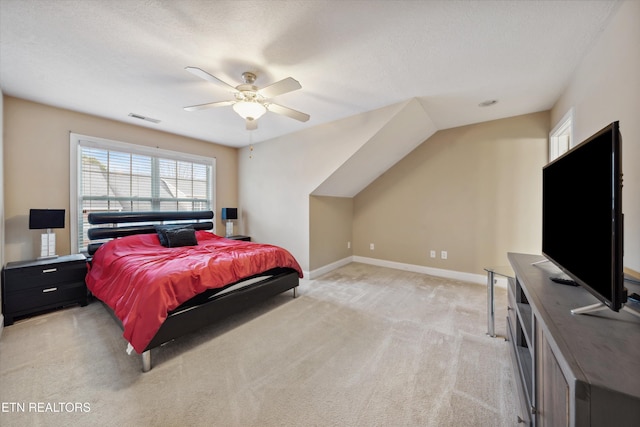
{"type": "Point", "coordinates": [114, 57]}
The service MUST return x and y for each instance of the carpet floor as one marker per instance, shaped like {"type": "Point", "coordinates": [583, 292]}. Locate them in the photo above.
{"type": "Point", "coordinates": [360, 346]}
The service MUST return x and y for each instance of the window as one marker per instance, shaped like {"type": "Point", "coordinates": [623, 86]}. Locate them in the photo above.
{"type": "Point", "coordinates": [560, 136]}
{"type": "Point", "coordinates": [121, 177]}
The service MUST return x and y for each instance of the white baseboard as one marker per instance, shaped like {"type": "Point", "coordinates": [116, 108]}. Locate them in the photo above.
{"type": "Point", "coordinates": [327, 268]}
{"type": "Point", "coordinates": [438, 272]}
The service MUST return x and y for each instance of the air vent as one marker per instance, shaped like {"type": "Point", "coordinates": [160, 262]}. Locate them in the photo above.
{"type": "Point", "coordinates": [149, 119]}
{"type": "Point", "coordinates": [488, 103]}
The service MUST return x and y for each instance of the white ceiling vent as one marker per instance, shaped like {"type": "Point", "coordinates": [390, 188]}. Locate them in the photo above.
{"type": "Point", "coordinates": [149, 119]}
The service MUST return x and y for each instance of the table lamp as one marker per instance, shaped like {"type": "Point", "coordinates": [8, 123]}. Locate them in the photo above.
{"type": "Point", "coordinates": [229, 215]}
{"type": "Point", "coordinates": [40, 219]}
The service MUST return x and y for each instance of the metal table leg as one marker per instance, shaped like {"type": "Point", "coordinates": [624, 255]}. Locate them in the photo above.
{"type": "Point", "coordinates": [490, 305]}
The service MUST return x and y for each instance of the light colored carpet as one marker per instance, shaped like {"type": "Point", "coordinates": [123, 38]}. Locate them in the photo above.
{"type": "Point", "coordinates": [360, 346]}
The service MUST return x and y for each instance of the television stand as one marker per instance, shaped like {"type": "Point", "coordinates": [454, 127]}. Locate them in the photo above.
{"type": "Point", "coordinates": [570, 370]}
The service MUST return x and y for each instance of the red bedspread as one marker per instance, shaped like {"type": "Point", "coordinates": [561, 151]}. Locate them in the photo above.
{"type": "Point", "coordinates": [142, 281]}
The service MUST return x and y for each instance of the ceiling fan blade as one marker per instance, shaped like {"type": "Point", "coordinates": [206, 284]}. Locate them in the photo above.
{"type": "Point", "coordinates": [252, 124]}
{"type": "Point", "coordinates": [208, 77]}
{"type": "Point", "coordinates": [285, 111]}
{"type": "Point", "coordinates": [209, 105]}
{"type": "Point", "coordinates": [278, 88]}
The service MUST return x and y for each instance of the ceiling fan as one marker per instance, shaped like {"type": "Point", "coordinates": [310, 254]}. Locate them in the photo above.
{"type": "Point", "coordinates": [250, 102]}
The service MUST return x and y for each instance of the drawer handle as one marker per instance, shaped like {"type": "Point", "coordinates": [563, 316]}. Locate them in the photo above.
{"type": "Point", "coordinates": [50, 290]}
{"type": "Point", "coordinates": [50, 270]}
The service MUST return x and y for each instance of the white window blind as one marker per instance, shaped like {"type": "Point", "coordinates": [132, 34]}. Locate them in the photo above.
{"type": "Point", "coordinates": [119, 177]}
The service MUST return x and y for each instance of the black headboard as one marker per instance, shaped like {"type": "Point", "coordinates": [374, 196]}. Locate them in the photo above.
{"type": "Point", "coordinates": [130, 218]}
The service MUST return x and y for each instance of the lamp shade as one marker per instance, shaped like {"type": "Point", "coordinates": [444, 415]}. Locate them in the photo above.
{"type": "Point", "coordinates": [46, 218]}
{"type": "Point", "coordinates": [249, 109]}
{"type": "Point", "coordinates": [229, 213]}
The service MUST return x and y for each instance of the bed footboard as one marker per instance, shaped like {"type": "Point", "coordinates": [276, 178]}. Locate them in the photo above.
{"type": "Point", "coordinates": [193, 319]}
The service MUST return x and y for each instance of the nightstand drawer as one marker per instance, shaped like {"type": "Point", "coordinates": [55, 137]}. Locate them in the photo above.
{"type": "Point", "coordinates": [48, 297]}
{"type": "Point", "coordinates": [19, 279]}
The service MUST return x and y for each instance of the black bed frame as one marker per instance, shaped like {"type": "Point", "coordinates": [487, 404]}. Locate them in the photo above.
{"type": "Point", "coordinates": [203, 309]}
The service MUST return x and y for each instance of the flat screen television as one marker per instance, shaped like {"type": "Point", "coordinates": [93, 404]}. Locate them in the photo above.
{"type": "Point", "coordinates": [582, 221]}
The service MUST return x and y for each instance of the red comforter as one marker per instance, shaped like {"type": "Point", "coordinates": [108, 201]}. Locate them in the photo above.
{"type": "Point", "coordinates": [142, 281]}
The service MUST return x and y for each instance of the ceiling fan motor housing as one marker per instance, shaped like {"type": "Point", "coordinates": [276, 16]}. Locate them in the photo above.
{"type": "Point", "coordinates": [248, 77]}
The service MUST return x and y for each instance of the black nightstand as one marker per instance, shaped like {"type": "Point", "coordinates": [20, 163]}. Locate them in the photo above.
{"type": "Point", "coordinates": [239, 237]}
{"type": "Point", "coordinates": [30, 287]}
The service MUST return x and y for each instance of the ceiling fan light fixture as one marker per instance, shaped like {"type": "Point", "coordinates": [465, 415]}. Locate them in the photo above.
{"type": "Point", "coordinates": [249, 109]}
{"type": "Point", "coordinates": [250, 101]}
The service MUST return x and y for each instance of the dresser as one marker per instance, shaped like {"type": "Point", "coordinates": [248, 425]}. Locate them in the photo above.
{"type": "Point", "coordinates": [30, 287]}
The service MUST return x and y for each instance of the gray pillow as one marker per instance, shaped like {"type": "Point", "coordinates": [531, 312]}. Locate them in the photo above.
{"type": "Point", "coordinates": [181, 237]}
{"type": "Point", "coordinates": [163, 231]}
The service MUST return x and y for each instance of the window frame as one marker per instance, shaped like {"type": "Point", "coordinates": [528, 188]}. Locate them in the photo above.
{"type": "Point", "coordinates": [563, 131]}
{"type": "Point", "coordinates": [77, 140]}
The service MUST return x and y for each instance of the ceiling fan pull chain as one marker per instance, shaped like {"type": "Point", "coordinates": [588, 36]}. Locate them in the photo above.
{"type": "Point", "coordinates": [251, 144]}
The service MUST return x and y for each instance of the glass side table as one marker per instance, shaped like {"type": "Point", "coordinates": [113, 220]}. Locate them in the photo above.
{"type": "Point", "coordinates": [503, 271]}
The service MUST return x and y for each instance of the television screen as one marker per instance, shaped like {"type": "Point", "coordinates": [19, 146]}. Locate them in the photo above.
{"type": "Point", "coordinates": [46, 218]}
{"type": "Point", "coordinates": [582, 215]}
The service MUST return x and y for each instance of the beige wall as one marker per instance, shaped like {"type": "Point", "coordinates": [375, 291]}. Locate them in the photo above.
{"type": "Point", "coordinates": [37, 169]}
{"type": "Point", "coordinates": [330, 230]}
{"type": "Point", "coordinates": [605, 88]}
{"type": "Point", "coordinates": [473, 191]}
{"type": "Point", "coordinates": [277, 177]}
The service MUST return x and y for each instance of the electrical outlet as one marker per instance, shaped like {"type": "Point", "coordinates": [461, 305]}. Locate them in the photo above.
{"type": "Point", "coordinates": [348, 245]}
{"type": "Point", "coordinates": [443, 254]}
{"type": "Point", "coordinates": [432, 254]}
{"type": "Point", "coordinates": [371, 246]}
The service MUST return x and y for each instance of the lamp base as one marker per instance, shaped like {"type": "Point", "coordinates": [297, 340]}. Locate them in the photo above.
{"type": "Point", "coordinates": [229, 229]}
{"type": "Point", "coordinates": [47, 245]}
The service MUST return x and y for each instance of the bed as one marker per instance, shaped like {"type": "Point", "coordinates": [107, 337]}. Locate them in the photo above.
{"type": "Point", "coordinates": [161, 280]}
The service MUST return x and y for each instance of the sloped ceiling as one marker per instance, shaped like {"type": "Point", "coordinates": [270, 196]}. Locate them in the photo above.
{"type": "Point", "coordinates": [111, 58]}
{"type": "Point", "coordinates": [405, 129]}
